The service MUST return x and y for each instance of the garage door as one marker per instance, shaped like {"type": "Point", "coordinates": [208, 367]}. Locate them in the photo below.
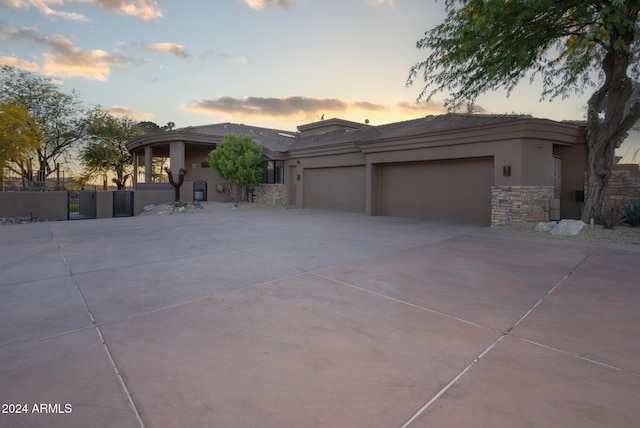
{"type": "Point", "coordinates": [340, 188]}
{"type": "Point", "coordinates": [457, 190]}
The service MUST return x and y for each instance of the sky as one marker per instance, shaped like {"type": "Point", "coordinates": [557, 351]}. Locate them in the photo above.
{"type": "Point", "coordinates": [271, 63]}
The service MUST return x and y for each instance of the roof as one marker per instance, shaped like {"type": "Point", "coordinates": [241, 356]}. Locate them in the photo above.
{"type": "Point", "coordinates": [407, 128]}
{"type": "Point", "coordinates": [338, 132]}
{"type": "Point", "coordinates": [273, 139]}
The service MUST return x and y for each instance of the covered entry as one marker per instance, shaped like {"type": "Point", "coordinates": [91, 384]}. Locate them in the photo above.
{"type": "Point", "coordinates": [452, 189]}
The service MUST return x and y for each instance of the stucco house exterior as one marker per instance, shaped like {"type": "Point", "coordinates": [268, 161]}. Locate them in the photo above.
{"type": "Point", "coordinates": [486, 169]}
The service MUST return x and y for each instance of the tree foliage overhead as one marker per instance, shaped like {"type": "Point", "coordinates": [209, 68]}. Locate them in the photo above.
{"type": "Point", "coordinates": [59, 117]}
{"type": "Point", "coordinates": [106, 151]}
{"type": "Point", "coordinates": [237, 159]}
{"type": "Point", "coordinates": [571, 46]}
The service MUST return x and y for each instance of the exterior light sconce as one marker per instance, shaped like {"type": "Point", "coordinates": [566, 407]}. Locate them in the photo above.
{"type": "Point", "coordinates": [506, 171]}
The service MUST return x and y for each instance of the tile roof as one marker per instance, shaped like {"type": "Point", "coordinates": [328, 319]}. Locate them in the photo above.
{"type": "Point", "coordinates": [273, 139]}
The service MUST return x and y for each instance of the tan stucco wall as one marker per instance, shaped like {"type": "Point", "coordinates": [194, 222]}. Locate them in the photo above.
{"type": "Point", "coordinates": [149, 197]}
{"type": "Point", "coordinates": [49, 205]}
{"type": "Point", "coordinates": [104, 204]}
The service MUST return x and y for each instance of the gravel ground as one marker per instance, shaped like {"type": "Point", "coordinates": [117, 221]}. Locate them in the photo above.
{"type": "Point", "coordinates": [622, 234]}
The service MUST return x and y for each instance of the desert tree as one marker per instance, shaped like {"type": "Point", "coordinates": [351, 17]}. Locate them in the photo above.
{"type": "Point", "coordinates": [59, 117]}
{"type": "Point", "coordinates": [237, 159]}
{"type": "Point", "coordinates": [105, 152]}
{"type": "Point", "coordinates": [571, 46]}
{"type": "Point", "coordinates": [19, 136]}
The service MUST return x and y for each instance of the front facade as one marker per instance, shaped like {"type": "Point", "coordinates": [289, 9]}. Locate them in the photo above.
{"type": "Point", "coordinates": [469, 168]}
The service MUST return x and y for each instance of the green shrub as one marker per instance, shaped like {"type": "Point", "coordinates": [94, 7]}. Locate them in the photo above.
{"type": "Point", "coordinates": [633, 213]}
{"type": "Point", "coordinates": [609, 217]}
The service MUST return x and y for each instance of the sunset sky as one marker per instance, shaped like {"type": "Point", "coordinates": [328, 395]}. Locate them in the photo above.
{"type": "Point", "coordinates": [272, 63]}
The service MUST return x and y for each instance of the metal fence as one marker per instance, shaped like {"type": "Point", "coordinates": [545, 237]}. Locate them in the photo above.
{"type": "Point", "coordinates": [32, 181]}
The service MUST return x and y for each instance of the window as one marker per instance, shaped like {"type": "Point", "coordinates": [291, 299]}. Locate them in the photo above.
{"type": "Point", "coordinates": [272, 171]}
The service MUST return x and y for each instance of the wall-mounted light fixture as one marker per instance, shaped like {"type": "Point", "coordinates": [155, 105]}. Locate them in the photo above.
{"type": "Point", "coordinates": [506, 170]}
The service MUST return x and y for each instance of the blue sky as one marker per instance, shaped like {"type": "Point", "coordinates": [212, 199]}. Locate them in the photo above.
{"type": "Point", "coordinates": [272, 63]}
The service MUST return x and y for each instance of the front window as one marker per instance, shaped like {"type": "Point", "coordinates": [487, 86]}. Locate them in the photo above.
{"type": "Point", "coordinates": [272, 171]}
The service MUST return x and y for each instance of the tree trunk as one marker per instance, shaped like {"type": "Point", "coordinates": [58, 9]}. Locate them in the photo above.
{"type": "Point", "coordinates": [608, 120]}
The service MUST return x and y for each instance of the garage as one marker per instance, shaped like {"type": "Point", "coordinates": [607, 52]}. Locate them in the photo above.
{"type": "Point", "coordinates": [338, 188]}
{"type": "Point", "coordinates": [452, 189]}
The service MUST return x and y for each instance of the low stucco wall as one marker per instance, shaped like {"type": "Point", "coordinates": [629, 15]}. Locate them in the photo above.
{"type": "Point", "coordinates": [141, 198]}
{"type": "Point", "coordinates": [49, 205]}
{"type": "Point", "coordinates": [516, 204]}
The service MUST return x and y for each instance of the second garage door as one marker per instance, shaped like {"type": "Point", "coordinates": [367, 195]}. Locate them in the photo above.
{"type": "Point", "coordinates": [456, 190]}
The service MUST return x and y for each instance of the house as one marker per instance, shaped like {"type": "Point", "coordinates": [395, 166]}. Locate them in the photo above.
{"type": "Point", "coordinates": [486, 169]}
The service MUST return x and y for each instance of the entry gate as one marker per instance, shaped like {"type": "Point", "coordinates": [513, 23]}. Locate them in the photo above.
{"type": "Point", "coordinates": [81, 204]}
{"type": "Point", "coordinates": [123, 203]}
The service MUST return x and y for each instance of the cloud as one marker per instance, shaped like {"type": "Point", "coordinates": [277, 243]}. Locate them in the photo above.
{"type": "Point", "coordinates": [172, 48]}
{"type": "Point", "coordinates": [147, 10]}
{"type": "Point", "coordinates": [433, 108]}
{"type": "Point", "coordinates": [391, 3]}
{"type": "Point", "coordinates": [282, 107]}
{"type": "Point", "coordinates": [272, 107]}
{"type": "Point", "coordinates": [66, 59]}
{"type": "Point", "coordinates": [260, 4]}
{"type": "Point", "coordinates": [121, 111]}
{"type": "Point", "coordinates": [18, 63]}
{"type": "Point", "coordinates": [43, 6]}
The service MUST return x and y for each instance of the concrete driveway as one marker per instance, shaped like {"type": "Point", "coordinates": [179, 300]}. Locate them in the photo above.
{"type": "Point", "coordinates": [301, 318]}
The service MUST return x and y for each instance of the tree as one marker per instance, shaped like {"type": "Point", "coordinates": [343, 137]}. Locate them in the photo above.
{"type": "Point", "coordinates": [19, 134]}
{"type": "Point", "coordinates": [237, 159]}
{"type": "Point", "coordinates": [106, 151]}
{"type": "Point", "coordinates": [483, 45]}
{"type": "Point", "coordinates": [148, 127]}
{"type": "Point", "coordinates": [60, 117]}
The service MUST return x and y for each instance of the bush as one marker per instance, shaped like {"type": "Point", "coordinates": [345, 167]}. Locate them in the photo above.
{"type": "Point", "coordinates": [609, 217]}
{"type": "Point", "coordinates": [633, 213]}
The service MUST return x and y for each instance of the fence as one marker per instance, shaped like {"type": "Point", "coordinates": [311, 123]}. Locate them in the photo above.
{"type": "Point", "coordinates": [32, 181]}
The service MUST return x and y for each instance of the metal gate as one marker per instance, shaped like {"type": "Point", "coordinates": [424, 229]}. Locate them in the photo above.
{"type": "Point", "coordinates": [123, 203]}
{"type": "Point", "coordinates": [81, 204]}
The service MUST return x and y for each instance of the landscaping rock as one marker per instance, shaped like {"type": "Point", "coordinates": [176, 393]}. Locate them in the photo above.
{"type": "Point", "coordinates": [545, 227]}
{"type": "Point", "coordinates": [568, 228]}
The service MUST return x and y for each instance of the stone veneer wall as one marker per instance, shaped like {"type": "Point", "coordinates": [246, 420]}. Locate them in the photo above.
{"type": "Point", "coordinates": [516, 204]}
{"type": "Point", "coordinates": [623, 187]}
{"type": "Point", "coordinates": [273, 195]}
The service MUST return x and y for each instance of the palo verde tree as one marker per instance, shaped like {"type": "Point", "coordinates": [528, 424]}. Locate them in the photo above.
{"type": "Point", "coordinates": [59, 117]}
{"type": "Point", "coordinates": [106, 153]}
{"type": "Point", "coordinates": [571, 46]}
{"type": "Point", "coordinates": [237, 159]}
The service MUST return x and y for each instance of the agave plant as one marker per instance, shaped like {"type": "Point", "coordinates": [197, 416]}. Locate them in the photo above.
{"type": "Point", "coordinates": [609, 217]}
{"type": "Point", "coordinates": [633, 213]}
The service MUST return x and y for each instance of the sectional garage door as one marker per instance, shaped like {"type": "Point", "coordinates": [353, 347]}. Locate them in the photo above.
{"type": "Point", "coordinates": [340, 188]}
{"type": "Point", "coordinates": [456, 190]}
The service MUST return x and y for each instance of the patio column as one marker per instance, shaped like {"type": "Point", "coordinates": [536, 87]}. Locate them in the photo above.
{"type": "Point", "coordinates": [148, 158]}
{"type": "Point", "coordinates": [176, 153]}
